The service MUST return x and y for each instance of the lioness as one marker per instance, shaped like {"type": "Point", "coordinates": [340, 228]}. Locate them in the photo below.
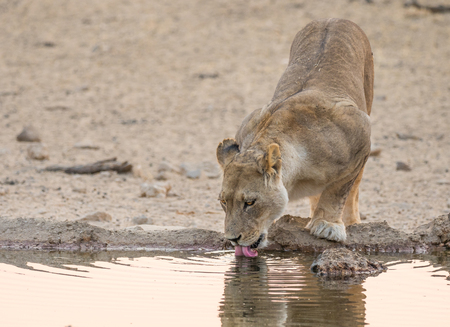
{"type": "Point", "coordinates": [311, 140]}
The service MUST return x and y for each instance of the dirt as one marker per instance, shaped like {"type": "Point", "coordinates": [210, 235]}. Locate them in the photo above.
{"type": "Point", "coordinates": [162, 83]}
{"type": "Point", "coordinates": [287, 234]}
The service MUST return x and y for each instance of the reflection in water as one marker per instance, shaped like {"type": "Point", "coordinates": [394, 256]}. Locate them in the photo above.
{"type": "Point", "coordinates": [412, 294]}
{"type": "Point", "coordinates": [189, 289]}
{"type": "Point", "coordinates": [282, 292]}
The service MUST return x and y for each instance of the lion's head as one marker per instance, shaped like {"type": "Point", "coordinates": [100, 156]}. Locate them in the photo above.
{"type": "Point", "coordinates": [252, 194]}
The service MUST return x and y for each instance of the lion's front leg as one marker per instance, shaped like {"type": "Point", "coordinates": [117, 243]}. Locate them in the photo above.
{"type": "Point", "coordinates": [326, 221]}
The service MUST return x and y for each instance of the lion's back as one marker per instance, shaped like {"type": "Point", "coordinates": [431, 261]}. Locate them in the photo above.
{"type": "Point", "coordinates": [333, 56]}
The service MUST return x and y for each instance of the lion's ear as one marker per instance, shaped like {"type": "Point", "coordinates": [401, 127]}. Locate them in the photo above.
{"type": "Point", "coordinates": [226, 151]}
{"type": "Point", "coordinates": [271, 162]}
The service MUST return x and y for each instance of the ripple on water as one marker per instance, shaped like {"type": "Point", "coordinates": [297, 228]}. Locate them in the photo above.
{"type": "Point", "coordinates": [214, 289]}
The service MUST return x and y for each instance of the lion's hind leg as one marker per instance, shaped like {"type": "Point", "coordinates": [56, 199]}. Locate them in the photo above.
{"type": "Point", "coordinates": [351, 215]}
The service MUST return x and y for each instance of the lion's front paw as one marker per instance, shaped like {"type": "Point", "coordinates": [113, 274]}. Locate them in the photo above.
{"type": "Point", "coordinates": [330, 231]}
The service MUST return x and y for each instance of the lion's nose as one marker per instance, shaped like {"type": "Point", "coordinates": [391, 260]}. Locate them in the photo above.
{"type": "Point", "coordinates": [235, 239]}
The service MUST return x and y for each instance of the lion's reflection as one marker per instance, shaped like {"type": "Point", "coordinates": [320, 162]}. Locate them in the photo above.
{"type": "Point", "coordinates": [282, 291]}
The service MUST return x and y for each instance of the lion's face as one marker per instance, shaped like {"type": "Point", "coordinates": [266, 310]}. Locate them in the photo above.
{"type": "Point", "coordinates": [252, 195]}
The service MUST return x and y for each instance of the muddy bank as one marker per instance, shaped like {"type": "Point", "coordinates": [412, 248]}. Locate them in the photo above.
{"type": "Point", "coordinates": [288, 233]}
{"type": "Point", "coordinates": [29, 233]}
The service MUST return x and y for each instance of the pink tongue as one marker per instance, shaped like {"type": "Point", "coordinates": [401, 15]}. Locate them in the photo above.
{"type": "Point", "coordinates": [245, 250]}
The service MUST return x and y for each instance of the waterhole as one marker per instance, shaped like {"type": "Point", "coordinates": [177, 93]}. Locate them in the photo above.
{"type": "Point", "coordinates": [215, 289]}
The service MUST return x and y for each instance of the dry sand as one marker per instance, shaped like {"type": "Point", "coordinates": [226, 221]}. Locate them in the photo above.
{"type": "Point", "coordinates": [153, 81]}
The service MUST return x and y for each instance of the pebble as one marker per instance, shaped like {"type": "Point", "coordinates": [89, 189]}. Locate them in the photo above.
{"type": "Point", "coordinates": [211, 170]}
{"type": "Point", "coordinates": [155, 190]}
{"type": "Point", "coordinates": [375, 152]}
{"type": "Point", "coordinates": [37, 152]}
{"type": "Point", "coordinates": [190, 171]}
{"type": "Point", "coordinates": [162, 176]}
{"type": "Point", "coordinates": [141, 220]}
{"type": "Point", "coordinates": [402, 136]}
{"type": "Point", "coordinates": [194, 174]}
{"type": "Point", "coordinates": [86, 145]}
{"type": "Point", "coordinates": [134, 228]}
{"type": "Point", "coordinates": [29, 134]}
{"type": "Point", "coordinates": [106, 174]}
{"type": "Point", "coordinates": [403, 166]}
{"type": "Point", "coordinates": [164, 169]}
{"type": "Point", "coordinates": [4, 191]}
{"type": "Point", "coordinates": [140, 172]}
{"type": "Point", "coordinates": [79, 190]}
{"type": "Point", "coordinates": [97, 216]}
{"type": "Point", "coordinates": [168, 167]}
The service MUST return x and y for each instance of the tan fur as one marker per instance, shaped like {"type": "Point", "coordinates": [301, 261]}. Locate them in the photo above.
{"type": "Point", "coordinates": [311, 140]}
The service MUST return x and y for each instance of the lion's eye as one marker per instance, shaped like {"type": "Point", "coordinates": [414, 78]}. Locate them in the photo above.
{"type": "Point", "coordinates": [249, 203]}
{"type": "Point", "coordinates": [223, 202]}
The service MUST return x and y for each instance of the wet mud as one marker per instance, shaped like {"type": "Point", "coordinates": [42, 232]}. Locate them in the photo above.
{"type": "Point", "coordinates": [36, 234]}
{"type": "Point", "coordinates": [288, 234]}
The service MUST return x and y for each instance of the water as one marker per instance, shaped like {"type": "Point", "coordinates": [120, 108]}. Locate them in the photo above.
{"type": "Point", "coordinates": [214, 289]}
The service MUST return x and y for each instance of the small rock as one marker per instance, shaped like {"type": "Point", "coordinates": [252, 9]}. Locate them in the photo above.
{"type": "Point", "coordinates": [211, 170]}
{"type": "Point", "coordinates": [8, 181]}
{"type": "Point", "coordinates": [105, 174]}
{"type": "Point", "coordinates": [375, 152]}
{"type": "Point", "coordinates": [86, 144]}
{"type": "Point", "coordinates": [403, 166]}
{"type": "Point", "coordinates": [140, 172]}
{"type": "Point", "coordinates": [443, 182]}
{"type": "Point", "coordinates": [190, 171]}
{"type": "Point", "coordinates": [57, 108]}
{"type": "Point", "coordinates": [97, 216]}
{"type": "Point", "coordinates": [162, 176]}
{"type": "Point", "coordinates": [81, 88]}
{"type": "Point", "coordinates": [141, 220]}
{"type": "Point", "coordinates": [194, 174]}
{"type": "Point", "coordinates": [156, 228]}
{"type": "Point", "coordinates": [168, 167]}
{"type": "Point", "coordinates": [134, 228]}
{"type": "Point", "coordinates": [79, 190]}
{"type": "Point", "coordinates": [155, 190]}
{"type": "Point", "coordinates": [402, 136]}
{"type": "Point", "coordinates": [341, 262]}
{"type": "Point", "coordinates": [4, 191]}
{"type": "Point", "coordinates": [402, 205]}
{"type": "Point", "coordinates": [207, 75]}
{"type": "Point", "coordinates": [29, 134]}
{"type": "Point", "coordinates": [37, 152]}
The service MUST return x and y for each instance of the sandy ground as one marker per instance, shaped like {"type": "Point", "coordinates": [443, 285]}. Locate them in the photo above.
{"type": "Point", "coordinates": [152, 81]}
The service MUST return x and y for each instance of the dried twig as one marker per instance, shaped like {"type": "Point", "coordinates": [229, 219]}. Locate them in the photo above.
{"type": "Point", "coordinates": [96, 167]}
{"type": "Point", "coordinates": [433, 9]}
